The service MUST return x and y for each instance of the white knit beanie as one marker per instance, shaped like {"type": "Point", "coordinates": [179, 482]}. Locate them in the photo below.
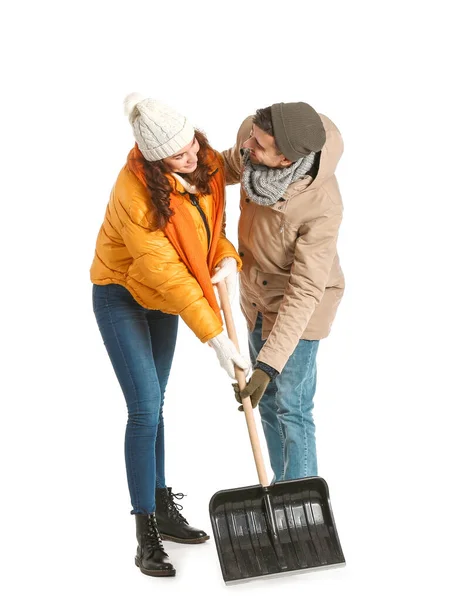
{"type": "Point", "coordinates": [159, 131]}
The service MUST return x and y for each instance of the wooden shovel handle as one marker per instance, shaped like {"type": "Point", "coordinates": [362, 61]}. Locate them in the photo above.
{"type": "Point", "coordinates": [241, 378]}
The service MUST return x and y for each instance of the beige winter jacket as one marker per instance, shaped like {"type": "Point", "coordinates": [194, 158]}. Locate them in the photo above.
{"type": "Point", "coordinates": [291, 271]}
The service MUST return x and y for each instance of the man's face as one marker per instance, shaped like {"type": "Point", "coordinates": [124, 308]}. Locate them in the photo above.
{"type": "Point", "coordinates": [263, 149]}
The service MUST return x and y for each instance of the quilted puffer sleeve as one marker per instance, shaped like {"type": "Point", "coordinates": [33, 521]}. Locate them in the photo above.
{"type": "Point", "coordinates": [226, 249]}
{"type": "Point", "coordinates": [160, 268]}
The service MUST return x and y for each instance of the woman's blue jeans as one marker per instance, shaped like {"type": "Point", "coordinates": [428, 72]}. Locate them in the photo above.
{"type": "Point", "coordinates": [286, 410]}
{"type": "Point", "coordinates": [140, 344]}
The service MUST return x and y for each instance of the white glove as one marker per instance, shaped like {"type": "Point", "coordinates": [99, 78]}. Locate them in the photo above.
{"type": "Point", "coordinates": [228, 355]}
{"type": "Point", "coordinates": [227, 269]}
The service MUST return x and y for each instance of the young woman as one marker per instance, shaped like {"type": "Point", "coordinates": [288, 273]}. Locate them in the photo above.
{"type": "Point", "coordinates": [159, 251]}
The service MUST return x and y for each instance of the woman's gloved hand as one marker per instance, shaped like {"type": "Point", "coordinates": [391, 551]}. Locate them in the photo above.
{"type": "Point", "coordinates": [228, 355]}
{"type": "Point", "coordinates": [227, 269]}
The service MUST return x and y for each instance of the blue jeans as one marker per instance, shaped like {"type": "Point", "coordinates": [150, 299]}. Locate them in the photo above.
{"type": "Point", "coordinates": [286, 410]}
{"type": "Point", "coordinates": [140, 344]}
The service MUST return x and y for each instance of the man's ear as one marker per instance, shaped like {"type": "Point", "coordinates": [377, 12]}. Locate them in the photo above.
{"type": "Point", "coordinates": [285, 162]}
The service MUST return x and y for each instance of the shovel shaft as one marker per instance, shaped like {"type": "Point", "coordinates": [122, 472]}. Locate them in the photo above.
{"type": "Point", "coordinates": [241, 378]}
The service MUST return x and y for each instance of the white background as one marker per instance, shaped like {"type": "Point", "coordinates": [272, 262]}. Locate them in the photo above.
{"type": "Point", "coordinates": [380, 71]}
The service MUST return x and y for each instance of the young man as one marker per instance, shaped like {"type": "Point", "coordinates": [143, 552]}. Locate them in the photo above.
{"type": "Point", "coordinates": [291, 283]}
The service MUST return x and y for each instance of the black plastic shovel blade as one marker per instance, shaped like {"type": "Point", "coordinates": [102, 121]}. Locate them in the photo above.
{"type": "Point", "coordinates": [284, 527]}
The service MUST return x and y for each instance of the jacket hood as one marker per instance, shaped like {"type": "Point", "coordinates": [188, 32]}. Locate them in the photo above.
{"type": "Point", "coordinates": [330, 153]}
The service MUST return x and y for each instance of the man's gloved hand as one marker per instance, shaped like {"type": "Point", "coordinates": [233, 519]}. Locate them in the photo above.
{"type": "Point", "coordinates": [255, 388]}
{"type": "Point", "coordinates": [227, 269]}
{"type": "Point", "coordinates": [228, 355]}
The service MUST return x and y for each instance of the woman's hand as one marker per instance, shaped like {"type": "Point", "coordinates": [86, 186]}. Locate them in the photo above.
{"type": "Point", "coordinates": [228, 355]}
{"type": "Point", "coordinates": [227, 270]}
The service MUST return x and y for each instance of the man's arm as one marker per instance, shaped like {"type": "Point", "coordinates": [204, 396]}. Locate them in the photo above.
{"type": "Point", "coordinates": [314, 255]}
{"type": "Point", "coordinates": [232, 157]}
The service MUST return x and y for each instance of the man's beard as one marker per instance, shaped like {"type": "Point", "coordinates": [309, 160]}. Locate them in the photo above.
{"type": "Point", "coordinates": [254, 160]}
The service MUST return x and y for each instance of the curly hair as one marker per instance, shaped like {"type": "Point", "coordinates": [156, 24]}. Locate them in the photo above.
{"type": "Point", "coordinates": [159, 186]}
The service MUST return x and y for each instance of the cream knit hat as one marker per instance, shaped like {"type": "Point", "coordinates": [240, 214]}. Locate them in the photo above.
{"type": "Point", "coordinates": [159, 131]}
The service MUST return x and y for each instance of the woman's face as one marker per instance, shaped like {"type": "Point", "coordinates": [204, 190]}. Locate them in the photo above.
{"type": "Point", "coordinates": [184, 161]}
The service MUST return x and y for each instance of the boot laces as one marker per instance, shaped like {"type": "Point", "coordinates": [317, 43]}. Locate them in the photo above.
{"type": "Point", "coordinates": [152, 536]}
{"type": "Point", "coordinates": [174, 508]}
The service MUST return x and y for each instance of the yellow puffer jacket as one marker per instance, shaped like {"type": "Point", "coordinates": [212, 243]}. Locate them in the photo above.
{"type": "Point", "coordinates": [129, 253]}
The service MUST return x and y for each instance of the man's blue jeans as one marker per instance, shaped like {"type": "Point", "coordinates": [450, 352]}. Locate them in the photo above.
{"type": "Point", "coordinates": [140, 344]}
{"type": "Point", "coordinates": [286, 410]}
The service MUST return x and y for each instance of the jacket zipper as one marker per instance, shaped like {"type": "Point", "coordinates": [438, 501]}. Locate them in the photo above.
{"type": "Point", "coordinates": [195, 203]}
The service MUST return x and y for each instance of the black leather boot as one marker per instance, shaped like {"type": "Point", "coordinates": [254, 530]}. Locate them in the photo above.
{"type": "Point", "coordinates": [150, 556]}
{"type": "Point", "coordinates": [171, 524]}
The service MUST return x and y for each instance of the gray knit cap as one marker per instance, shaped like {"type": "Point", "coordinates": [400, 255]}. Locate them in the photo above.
{"type": "Point", "coordinates": [298, 129]}
{"type": "Point", "coordinates": [159, 131]}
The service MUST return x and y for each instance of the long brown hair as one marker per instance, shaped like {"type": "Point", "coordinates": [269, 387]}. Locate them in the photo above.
{"type": "Point", "coordinates": [160, 187]}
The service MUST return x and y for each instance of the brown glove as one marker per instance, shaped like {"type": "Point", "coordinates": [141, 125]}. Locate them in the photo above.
{"type": "Point", "coordinates": [255, 388]}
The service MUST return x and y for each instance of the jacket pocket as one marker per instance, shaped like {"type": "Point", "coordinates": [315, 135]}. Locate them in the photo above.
{"type": "Point", "coordinates": [271, 281]}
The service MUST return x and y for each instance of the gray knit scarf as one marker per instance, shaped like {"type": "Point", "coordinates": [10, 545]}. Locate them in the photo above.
{"type": "Point", "coordinates": [265, 186]}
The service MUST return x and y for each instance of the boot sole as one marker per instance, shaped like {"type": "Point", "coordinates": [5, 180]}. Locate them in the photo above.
{"type": "Point", "coordinates": [157, 573]}
{"type": "Point", "coordinates": [170, 538]}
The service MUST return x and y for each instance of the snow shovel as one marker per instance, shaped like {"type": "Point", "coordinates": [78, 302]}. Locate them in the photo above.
{"type": "Point", "coordinates": [264, 529]}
